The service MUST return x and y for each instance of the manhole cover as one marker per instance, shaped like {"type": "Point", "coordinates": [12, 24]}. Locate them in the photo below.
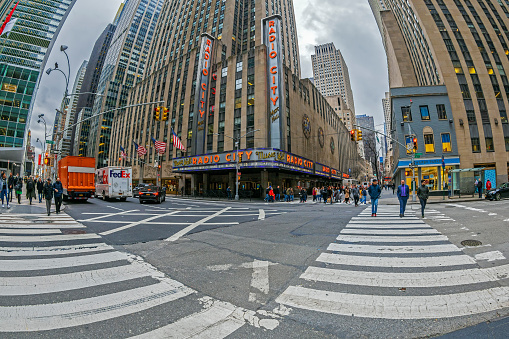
{"type": "Point", "coordinates": [471, 243]}
{"type": "Point", "coordinates": [66, 231]}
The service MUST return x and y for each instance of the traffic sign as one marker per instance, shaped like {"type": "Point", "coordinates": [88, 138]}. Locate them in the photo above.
{"type": "Point", "coordinates": [51, 142]}
{"type": "Point", "coordinates": [417, 156]}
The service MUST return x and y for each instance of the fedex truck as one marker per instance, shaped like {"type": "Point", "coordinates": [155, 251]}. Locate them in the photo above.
{"type": "Point", "coordinates": [114, 183]}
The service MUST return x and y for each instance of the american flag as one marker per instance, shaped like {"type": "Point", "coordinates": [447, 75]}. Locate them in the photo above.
{"type": "Point", "coordinates": [159, 145]}
{"type": "Point", "coordinates": [176, 142]}
{"type": "Point", "coordinates": [123, 154]}
{"type": "Point", "coordinates": [140, 149]}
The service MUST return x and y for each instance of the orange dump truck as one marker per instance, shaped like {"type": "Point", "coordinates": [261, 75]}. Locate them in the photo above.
{"type": "Point", "coordinates": [77, 176]}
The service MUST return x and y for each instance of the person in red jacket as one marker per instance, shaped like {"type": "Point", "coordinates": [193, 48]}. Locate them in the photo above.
{"type": "Point", "coordinates": [488, 186]}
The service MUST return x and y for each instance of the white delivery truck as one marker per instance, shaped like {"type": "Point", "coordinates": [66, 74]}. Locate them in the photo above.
{"type": "Point", "coordinates": [114, 182]}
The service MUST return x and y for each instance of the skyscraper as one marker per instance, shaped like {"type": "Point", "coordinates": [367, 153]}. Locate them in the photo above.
{"type": "Point", "coordinates": [461, 48]}
{"type": "Point", "coordinates": [330, 74]}
{"type": "Point", "coordinates": [123, 67]}
{"type": "Point", "coordinates": [368, 137]}
{"type": "Point", "coordinates": [230, 79]}
{"type": "Point", "coordinates": [23, 55]}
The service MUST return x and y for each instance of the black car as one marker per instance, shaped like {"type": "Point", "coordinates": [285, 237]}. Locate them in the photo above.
{"type": "Point", "coordinates": [152, 193]}
{"type": "Point", "coordinates": [137, 189]}
{"type": "Point", "coordinates": [498, 193]}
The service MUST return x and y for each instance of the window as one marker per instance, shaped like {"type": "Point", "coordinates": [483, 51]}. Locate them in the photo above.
{"type": "Point", "coordinates": [503, 116]}
{"type": "Point", "coordinates": [239, 66]}
{"type": "Point", "coordinates": [406, 113]}
{"type": "Point", "coordinates": [489, 145]}
{"type": "Point", "coordinates": [429, 143]}
{"type": "Point", "coordinates": [506, 139]}
{"type": "Point", "coordinates": [476, 148]}
{"type": "Point", "coordinates": [224, 72]}
{"type": "Point", "coordinates": [442, 114]}
{"type": "Point", "coordinates": [238, 84]}
{"type": "Point", "coordinates": [446, 143]}
{"type": "Point", "coordinates": [424, 112]}
{"type": "Point", "coordinates": [238, 103]}
{"type": "Point", "coordinates": [250, 99]}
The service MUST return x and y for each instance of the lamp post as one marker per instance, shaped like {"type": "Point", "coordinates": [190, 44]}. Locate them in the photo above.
{"type": "Point", "coordinates": [237, 165]}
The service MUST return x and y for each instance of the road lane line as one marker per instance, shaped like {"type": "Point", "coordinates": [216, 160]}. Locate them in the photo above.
{"type": "Point", "coordinates": [261, 215]}
{"type": "Point", "coordinates": [259, 278]}
{"type": "Point", "coordinates": [400, 239]}
{"type": "Point", "coordinates": [357, 260]}
{"type": "Point", "coordinates": [380, 249]}
{"type": "Point", "coordinates": [109, 215]}
{"type": "Point", "coordinates": [115, 208]}
{"type": "Point", "coordinates": [52, 263]}
{"type": "Point", "coordinates": [118, 229]}
{"type": "Point", "coordinates": [44, 238]}
{"type": "Point", "coordinates": [397, 307]}
{"type": "Point", "coordinates": [53, 250]}
{"type": "Point", "coordinates": [189, 228]}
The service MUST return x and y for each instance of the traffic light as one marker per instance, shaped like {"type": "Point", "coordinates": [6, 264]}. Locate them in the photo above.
{"type": "Point", "coordinates": [157, 111]}
{"type": "Point", "coordinates": [359, 135]}
{"type": "Point", "coordinates": [352, 135]}
{"type": "Point", "coordinates": [415, 144]}
{"type": "Point", "coordinates": [165, 114]}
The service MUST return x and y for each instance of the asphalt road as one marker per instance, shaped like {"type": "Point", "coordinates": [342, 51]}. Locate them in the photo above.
{"type": "Point", "coordinates": [291, 271]}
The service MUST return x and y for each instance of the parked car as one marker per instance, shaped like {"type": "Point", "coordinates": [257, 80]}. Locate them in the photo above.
{"type": "Point", "coordinates": [152, 193]}
{"type": "Point", "coordinates": [498, 193]}
{"type": "Point", "coordinates": [137, 189]}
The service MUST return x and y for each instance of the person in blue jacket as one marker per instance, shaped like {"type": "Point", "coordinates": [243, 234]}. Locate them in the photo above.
{"type": "Point", "coordinates": [403, 194]}
{"type": "Point", "coordinates": [374, 192]}
{"type": "Point", "coordinates": [59, 190]}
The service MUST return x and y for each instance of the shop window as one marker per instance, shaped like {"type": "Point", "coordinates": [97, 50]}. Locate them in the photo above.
{"type": "Point", "coordinates": [489, 145]}
{"type": "Point", "coordinates": [476, 147]}
{"type": "Point", "coordinates": [424, 112]}
{"type": "Point", "coordinates": [442, 114]}
{"type": "Point", "coordinates": [431, 175]}
{"type": "Point", "coordinates": [446, 142]}
{"type": "Point", "coordinates": [429, 142]}
{"type": "Point", "coordinates": [406, 113]}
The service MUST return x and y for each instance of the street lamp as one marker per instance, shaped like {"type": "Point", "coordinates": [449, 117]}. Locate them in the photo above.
{"type": "Point", "coordinates": [237, 165]}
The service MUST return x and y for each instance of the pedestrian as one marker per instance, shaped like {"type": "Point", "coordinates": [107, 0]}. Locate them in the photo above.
{"type": "Point", "coordinates": [393, 188]}
{"type": "Point", "coordinates": [287, 196]}
{"type": "Point", "coordinates": [48, 194]}
{"type": "Point", "coordinates": [10, 186]}
{"type": "Point", "coordinates": [303, 194]}
{"type": "Point", "coordinates": [423, 194]}
{"type": "Point", "coordinates": [488, 185]}
{"type": "Point", "coordinates": [272, 196]}
{"type": "Point", "coordinates": [59, 190]}
{"type": "Point", "coordinates": [267, 190]}
{"type": "Point", "coordinates": [4, 189]}
{"type": "Point", "coordinates": [229, 193]}
{"type": "Point", "coordinates": [31, 189]}
{"type": "Point", "coordinates": [319, 194]}
{"type": "Point", "coordinates": [323, 191]}
{"type": "Point", "coordinates": [291, 194]}
{"type": "Point", "coordinates": [314, 193]}
{"type": "Point", "coordinates": [277, 192]}
{"type": "Point", "coordinates": [403, 193]}
{"type": "Point", "coordinates": [18, 187]}
{"type": "Point", "coordinates": [347, 195]}
{"type": "Point", "coordinates": [182, 190]}
{"type": "Point", "coordinates": [40, 186]}
{"type": "Point", "coordinates": [364, 195]}
{"type": "Point", "coordinates": [355, 192]}
{"type": "Point", "coordinates": [479, 188]}
{"type": "Point", "coordinates": [374, 192]}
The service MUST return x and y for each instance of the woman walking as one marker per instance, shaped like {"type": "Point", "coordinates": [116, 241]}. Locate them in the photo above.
{"type": "Point", "coordinates": [347, 195]}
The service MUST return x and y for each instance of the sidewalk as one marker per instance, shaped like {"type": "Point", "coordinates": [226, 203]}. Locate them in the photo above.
{"type": "Point", "coordinates": [26, 208]}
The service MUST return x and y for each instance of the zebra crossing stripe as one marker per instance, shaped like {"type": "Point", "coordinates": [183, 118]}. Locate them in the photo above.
{"type": "Point", "coordinates": [385, 222]}
{"type": "Point", "coordinates": [397, 307]}
{"type": "Point", "coordinates": [399, 239]}
{"type": "Point", "coordinates": [29, 231]}
{"type": "Point", "coordinates": [44, 238]}
{"type": "Point", "coordinates": [383, 232]}
{"type": "Point", "coordinates": [53, 263]}
{"type": "Point", "coordinates": [32, 225]}
{"type": "Point", "coordinates": [353, 260]}
{"type": "Point", "coordinates": [85, 311]}
{"type": "Point", "coordinates": [53, 250]}
{"type": "Point", "coordinates": [409, 280]}
{"type": "Point", "coordinates": [397, 249]}
{"type": "Point", "coordinates": [214, 322]}
{"type": "Point", "coordinates": [385, 226]}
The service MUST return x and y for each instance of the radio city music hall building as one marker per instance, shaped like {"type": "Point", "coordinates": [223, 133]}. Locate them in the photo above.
{"type": "Point", "coordinates": [224, 74]}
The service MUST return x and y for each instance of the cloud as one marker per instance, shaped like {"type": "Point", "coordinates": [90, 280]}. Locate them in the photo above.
{"type": "Point", "coordinates": [350, 25]}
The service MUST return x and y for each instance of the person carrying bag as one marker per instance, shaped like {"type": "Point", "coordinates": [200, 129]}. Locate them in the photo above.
{"type": "Point", "coordinates": [423, 194]}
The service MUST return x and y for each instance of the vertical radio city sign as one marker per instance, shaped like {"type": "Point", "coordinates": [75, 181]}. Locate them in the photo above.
{"type": "Point", "coordinates": [275, 80]}
{"type": "Point", "coordinates": [202, 93]}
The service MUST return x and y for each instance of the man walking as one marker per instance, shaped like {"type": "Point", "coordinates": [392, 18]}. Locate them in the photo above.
{"type": "Point", "coordinates": [4, 189]}
{"type": "Point", "coordinates": [229, 193]}
{"type": "Point", "coordinates": [355, 194]}
{"type": "Point", "coordinates": [10, 186]}
{"type": "Point", "coordinates": [403, 193]}
{"type": "Point", "coordinates": [423, 194]}
{"type": "Point", "coordinates": [40, 187]}
{"type": "Point", "coordinates": [277, 192]}
{"type": "Point", "coordinates": [48, 194]}
{"type": "Point", "coordinates": [374, 192]}
{"type": "Point", "coordinates": [31, 189]}
{"type": "Point", "coordinates": [59, 190]}
{"type": "Point", "coordinates": [479, 188]}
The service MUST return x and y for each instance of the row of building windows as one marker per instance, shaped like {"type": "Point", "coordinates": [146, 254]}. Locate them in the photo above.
{"type": "Point", "coordinates": [406, 112]}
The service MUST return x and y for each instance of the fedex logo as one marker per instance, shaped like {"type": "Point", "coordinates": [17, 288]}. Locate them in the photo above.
{"type": "Point", "coordinates": [121, 174]}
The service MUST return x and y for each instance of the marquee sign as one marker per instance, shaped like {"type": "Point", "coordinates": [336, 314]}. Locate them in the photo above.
{"type": "Point", "coordinates": [275, 80]}
{"type": "Point", "coordinates": [202, 93]}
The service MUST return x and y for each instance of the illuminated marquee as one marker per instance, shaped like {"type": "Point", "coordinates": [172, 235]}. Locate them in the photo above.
{"type": "Point", "coordinates": [272, 39]}
{"type": "Point", "coordinates": [202, 92]}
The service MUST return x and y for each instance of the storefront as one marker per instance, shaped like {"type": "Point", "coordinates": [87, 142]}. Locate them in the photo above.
{"type": "Point", "coordinates": [436, 173]}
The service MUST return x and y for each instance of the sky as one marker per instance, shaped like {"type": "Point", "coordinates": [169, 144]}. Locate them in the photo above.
{"type": "Point", "coordinates": [349, 24]}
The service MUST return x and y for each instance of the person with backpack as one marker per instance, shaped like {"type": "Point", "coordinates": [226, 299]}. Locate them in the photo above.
{"type": "Point", "coordinates": [40, 186]}
{"type": "Point", "coordinates": [18, 188]}
{"type": "Point", "coordinates": [48, 194]}
{"type": "Point", "coordinates": [4, 189]}
{"type": "Point", "coordinates": [59, 190]}
{"type": "Point", "coordinates": [423, 194]}
{"type": "Point", "coordinates": [31, 189]}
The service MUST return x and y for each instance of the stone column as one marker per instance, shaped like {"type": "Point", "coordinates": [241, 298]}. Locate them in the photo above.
{"type": "Point", "coordinates": [205, 182]}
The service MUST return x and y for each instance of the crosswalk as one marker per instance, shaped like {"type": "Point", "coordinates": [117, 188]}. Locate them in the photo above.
{"type": "Point", "coordinates": [396, 268]}
{"type": "Point", "coordinates": [54, 276]}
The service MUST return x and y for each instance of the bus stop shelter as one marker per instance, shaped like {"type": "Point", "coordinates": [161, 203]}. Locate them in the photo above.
{"type": "Point", "coordinates": [463, 181]}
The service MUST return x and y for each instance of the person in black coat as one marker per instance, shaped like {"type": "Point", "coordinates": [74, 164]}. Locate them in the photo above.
{"type": "Point", "coordinates": [48, 194]}
{"type": "Point", "coordinates": [10, 186]}
{"type": "Point", "coordinates": [40, 186]}
{"type": "Point", "coordinates": [59, 190]}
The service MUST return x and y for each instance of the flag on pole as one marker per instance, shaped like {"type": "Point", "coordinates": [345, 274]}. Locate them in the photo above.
{"type": "Point", "coordinates": [140, 149]}
{"type": "Point", "coordinates": [159, 145]}
{"type": "Point", "coordinates": [176, 141]}
{"type": "Point", "coordinates": [8, 23]}
{"type": "Point", "coordinates": [123, 154]}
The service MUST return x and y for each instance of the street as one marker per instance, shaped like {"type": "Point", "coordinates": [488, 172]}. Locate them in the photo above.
{"type": "Point", "coordinates": [215, 269]}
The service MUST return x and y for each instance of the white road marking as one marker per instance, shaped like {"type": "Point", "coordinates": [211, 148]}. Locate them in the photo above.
{"type": "Point", "coordinates": [490, 256]}
{"type": "Point", "coordinates": [53, 250]}
{"type": "Point", "coordinates": [259, 279]}
{"type": "Point", "coordinates": [400, 221]}
{"type": "Point", "coordinates": [53, 263]}
{"type": "Point", "coordinates": [43, 238]}
{"type": "Point", "coordinates": [118, 229]}
{"type": "Point", "coordinates": [189, 228]}
{"type": "Point", "coordinates": [261, 215]}
{"type": "Point", "coordinates": [85, 311]}
{"type": "Point", "coordinates": [390, 226]}
{"type": "Point", "coordinates": [383, 232]}
{"type": "Point", "coordinates": [397, 307]}
{"type": "Point", "coordinates": [401, 239]}
{"type": "Point", "coordinates": [39, 226]}
{"type": "Point", "coordinates": [441, 261]}
{"type": "Point", "coordinates": [414, 280]}
{"type": "Point", "coordinates": [115, 208]}
{"type": "Point", "coordinates": [392, 249]}
{"type": "Point", "coordinates": [29, 231]}
{"type": "Point", "coordinates": [109, 215]}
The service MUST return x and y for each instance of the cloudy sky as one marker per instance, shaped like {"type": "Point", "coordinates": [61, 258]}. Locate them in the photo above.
{"type": "Point", "coordinates": [349, 24]}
